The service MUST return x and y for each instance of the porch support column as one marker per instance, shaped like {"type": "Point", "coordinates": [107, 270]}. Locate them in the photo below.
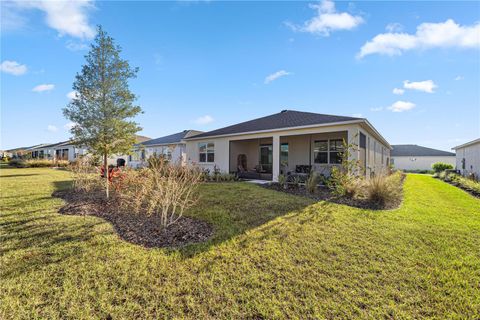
{"type": "Point", "coordinates": [276, 158]}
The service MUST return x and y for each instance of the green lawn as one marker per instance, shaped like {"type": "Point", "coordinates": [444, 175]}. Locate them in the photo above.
{"type": "Point", "coordinates": [273, 256]}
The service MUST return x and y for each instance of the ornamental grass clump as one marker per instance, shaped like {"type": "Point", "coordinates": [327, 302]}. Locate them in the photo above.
{"type": "Point", "coordinates": [383, 189]}
{"type": "Point", "coordinates": [312, 182]}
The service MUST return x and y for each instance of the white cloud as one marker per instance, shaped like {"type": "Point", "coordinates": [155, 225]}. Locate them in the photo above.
{"type": "Point", "coordinates": [401, 106]}
{"type": "Point", "coordinates": [203, 120]}
{"type": "Point", "coordinates": [52, 128]}
{"type": "Point", "coordinates": [43, 87]}
{"type": "Point", "coordinates": [69, 125]}
{"type": "Point", "coordinates": [425, 86]}
{"type": "Point", "coordinates": [67, 17]}
{"type": "Point", "coordinates": [13, 67]}
{"type": "Point", "coordinates": [10, 18]}
{"type": "Point", "coordinates": [376, 109]}
{"type": "Point", "coordinates": [357, 115]}
{"type": "Point", "coordinates": [398, 91]}
{"type": "Point", "coordinates": [76, 46]}
{"type": "Point", "coordinates": [394, 27]}
{"type": "Point", "coordinates": [276, 75]}
{"type": "Point", "coordinates": [327, 20]}
{"type": "Point", "coordinates": [72, 95]}
{"type": "Point", "coordinates": [457, 78]}
{"type": "Point", "coordinates": [446, 34]}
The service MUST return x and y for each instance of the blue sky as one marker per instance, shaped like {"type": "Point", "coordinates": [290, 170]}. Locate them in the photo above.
{"type": "Point", "coordinates": [204, 65]}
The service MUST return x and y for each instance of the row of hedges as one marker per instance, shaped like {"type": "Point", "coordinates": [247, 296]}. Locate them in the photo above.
{"type": "Point", "coordinates": [457, 180]}
{"type": "Point", "coordinates": [40, 163]}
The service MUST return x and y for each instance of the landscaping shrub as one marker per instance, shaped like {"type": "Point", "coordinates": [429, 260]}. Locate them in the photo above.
{"type": "Point", "coordinates": [282, 180]}
{"type": "Point", "coordinates": [86, 177]}
{"type": "Point", "coordinates": [39, 163]}
{"type": "Point", "coordinates": [18, 163]}
{"type": "Point", "coordinates": [217, 176]}
{"type": "Point", "coordinates": [440, 166]}
{"type": "Point", "coordinates": [419, 171]}
{"type": "Point", "coordinates": [465, 183]}
{"type": "Point", "coordinates": [344, 184]}
{"type": "Point", "coordinates": [162, 189]}
{"type": "Point", "coordinates": [383, 189]}
{"type": "Point", "coordinates": [312, 182]}
{"type": "Point", "coordinates": [62, 163]}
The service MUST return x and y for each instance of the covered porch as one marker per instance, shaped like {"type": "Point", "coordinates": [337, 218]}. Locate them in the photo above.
{"type": "Point", "coordinates": [290, 155]}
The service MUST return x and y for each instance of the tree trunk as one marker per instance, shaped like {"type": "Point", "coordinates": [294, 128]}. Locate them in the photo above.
{"type": "Point", "coordinates": [105, 172]}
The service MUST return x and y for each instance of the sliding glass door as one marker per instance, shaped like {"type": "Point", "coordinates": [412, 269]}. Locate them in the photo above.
{"type": "Point", "coordinates": [266, 158]}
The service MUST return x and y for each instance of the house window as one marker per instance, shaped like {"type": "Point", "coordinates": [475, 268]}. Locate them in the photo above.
{"type": "Point", "coordinates": [206, 152]}
{"type": "Point", "coordinates": [392, 161]}
{"type": "Point", "coordinates": [328, 151]}
{"type": "Point", "coordinates": [320, 151]}
{"type": "Point", "coordinates": [383, 152]}
{"type": "Point", "coordinates": [363, 141]}
{"type": "Point", "coordinates": [336, 151]}
{"type": "Point", "coordinates": [167, 153]}
{"type": "Point", "coordinates": [284, 154]}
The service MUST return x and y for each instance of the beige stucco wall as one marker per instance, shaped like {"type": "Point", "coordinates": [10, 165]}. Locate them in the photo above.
{"type": "Point", "coordinates": [420, 163]}
{"type": "Point", "coordinates": [223, 158]}
{"type": "Point", "coordinates": [471, 154]}
{"type": "Point", "coordinates": [178, 154]}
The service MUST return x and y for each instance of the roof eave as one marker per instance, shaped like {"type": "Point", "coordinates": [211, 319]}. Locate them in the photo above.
{"type": "Point", "coordinates": [467, 144]}
{"type": "Point", "coordinates": [275, 130]}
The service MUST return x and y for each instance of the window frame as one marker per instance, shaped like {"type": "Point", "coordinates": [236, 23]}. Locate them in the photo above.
{"type": "Point", "coordinates": [330, 149]}
{"type": "Point", "coordinates": [284, 154]}
{"type": "Point", "coordinates": [209, 150]}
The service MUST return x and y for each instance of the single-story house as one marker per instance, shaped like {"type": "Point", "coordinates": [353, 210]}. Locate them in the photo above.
{"type": "Point", "coordinates": [21, 152]}
{"type": "Point", "coordinates": [66, 150]}
{"type": "Point", "coordinates": [468, 158]}
{"type": "Point", "coordinates": [63, 150]}
{"type": "Point", "coordinates": [411, 157]}
{"type": "Point", "coordinates": [289, 142]}
{"type": "Point", "coordinates": [172, 147]}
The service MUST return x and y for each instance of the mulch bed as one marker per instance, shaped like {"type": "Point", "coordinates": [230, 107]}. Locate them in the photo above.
{"type": "Point", "coordinates": [323, 193]}
{"type": "Point", "coordinates": [458, 185]}
{"type": "Point", "coordinates": [139, 229]}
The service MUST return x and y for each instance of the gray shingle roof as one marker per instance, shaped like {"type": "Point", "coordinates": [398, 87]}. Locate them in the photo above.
{"type": "Point", "coordinates": [284, 119]}
{"type": "Point", "coordinates": [171, 139]}
{"type": "Point", "coordinates": [412, 150]}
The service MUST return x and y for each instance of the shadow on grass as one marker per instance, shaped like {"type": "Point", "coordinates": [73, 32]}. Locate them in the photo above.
{"type": "Point", "coordinates": [230, 209]}
{"type": "Point", "coordinates": [235, 208]}
{"type": "Point", "coordinates": [38, 238]}
{"type": "Point", "coordinates": [18, 175]}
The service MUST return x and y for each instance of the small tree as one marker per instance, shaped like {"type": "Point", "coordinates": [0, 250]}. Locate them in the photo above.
{"type": "Point", "coordinates": [440, 166]}
{"type": "Point", "coordinates": [104, 104]}
{"type": "Point", "coordinates": [345, 180]}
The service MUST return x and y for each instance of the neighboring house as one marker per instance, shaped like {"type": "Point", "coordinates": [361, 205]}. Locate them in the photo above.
{"type": "Point", "coordinates": [19, 152]}
{"type": "Point", "coordinates": [113, 159]}
{"type": "Point", "coordinates": [64, 150]}
{"type": "Point", "coordinates": [289, 142]}
{"type": "Point", "coordinates": [468, 158]}
{"type": "Point", "coordinates": [411, 157]}
{"type": "Point", "coordinates": [172, 147]}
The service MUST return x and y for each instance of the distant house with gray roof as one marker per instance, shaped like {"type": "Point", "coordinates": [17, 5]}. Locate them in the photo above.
{"type": "Point", "coordinates": [172, 147]}
{"type": "Point", "coordinates": [412, 157]}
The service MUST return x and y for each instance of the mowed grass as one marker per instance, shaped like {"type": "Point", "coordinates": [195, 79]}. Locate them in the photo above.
{"type": "Point", "coordinates": [273, 256]}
